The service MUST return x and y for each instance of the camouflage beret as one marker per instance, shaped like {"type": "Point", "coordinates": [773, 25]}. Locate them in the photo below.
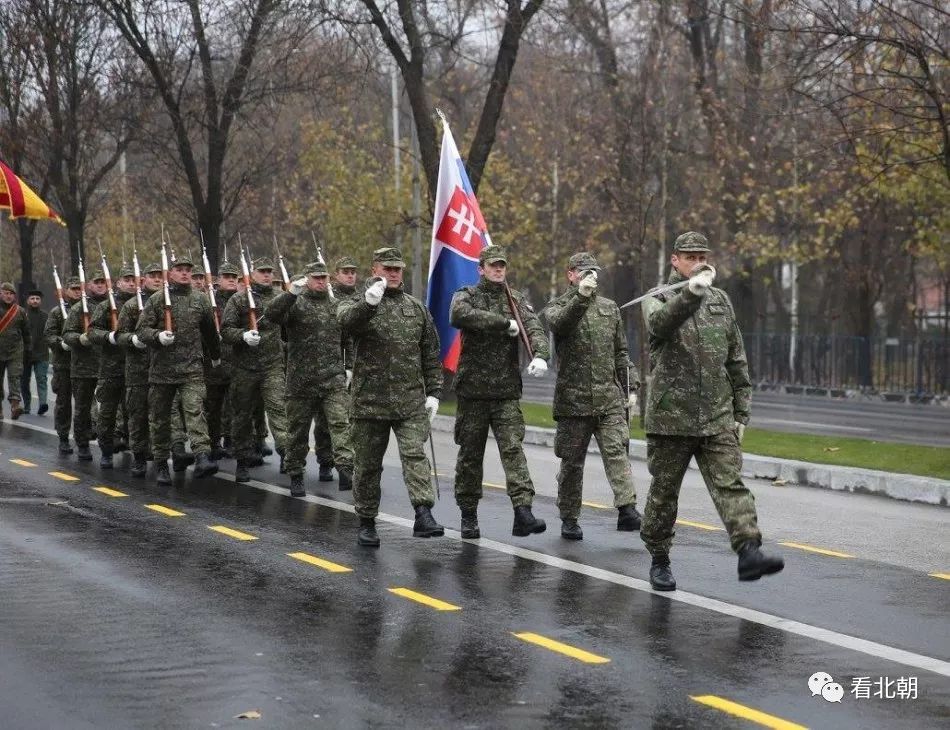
{"type": "Point", "coordinates": [263, 264]}
{"type": "Point", "coordinates": [183, 260]}
{"type": "Point", "coordinates": [96, 274]}
{"type": "Point", "coordinates": [584, 261]}
{"type": "Point", "coordinates": [389, 256]}
{"type": "Point", "coordinates": [691, 241]}
{"type": "Point", "coordinates": [126, 270]}
{"type": "Point", "coordinates": [152, 268]}
{"type": "Point", "coordinates": [198, 270]}
{"type": "Point", "coordinates": [345, 262]}
{"type": "Point", "coordinates": [228, 268]}
{"type": "Point", "coordinates": [492, 254]}
{"type": "Point", "coordinates": [7, 286]}
{"type": "Point", "coordinates": [73, 281]}
{"type": "Point", "coordinates": [315, 268]}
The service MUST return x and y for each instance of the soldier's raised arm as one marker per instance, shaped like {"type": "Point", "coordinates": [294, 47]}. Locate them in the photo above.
{"type": "Point", "coordinates": [669, 316]}
{"type": "Point", "coordinates": [356, 312]}
{"type": "Point", "coordinates": [564, 313]}
{"type": "Point", "coordinates": [280, 309]}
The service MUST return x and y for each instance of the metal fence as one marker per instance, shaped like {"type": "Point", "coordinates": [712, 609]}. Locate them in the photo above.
{"type": "Point", "coordinates": [881, 364]}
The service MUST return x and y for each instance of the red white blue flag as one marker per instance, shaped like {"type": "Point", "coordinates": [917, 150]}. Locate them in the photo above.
{"type": "Point", "coordinates": [458, 235]}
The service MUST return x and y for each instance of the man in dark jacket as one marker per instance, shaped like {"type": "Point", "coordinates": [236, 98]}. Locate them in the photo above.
{"type": "Point", "coordinates": [36, 361]}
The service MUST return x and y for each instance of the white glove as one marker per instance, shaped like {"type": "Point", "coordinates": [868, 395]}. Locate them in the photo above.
{"type": "Point", "coordinates": [537, 367]}
{"type": "Point", "coordinates": [166, 338]}
{"type": "Point", "coordinates": [633, 403]}
{"type": "Point", "coordinates": [84, 339]}
{"type": "Point", "coordinates": [588, 284]}
{"type": "Point", "coordinates": [740, 431]}
{"type": "Point", "coordinates": [111, 338]}
{"type": "Point", "coordinates": [349, 377]}
{"type": "Point", "coordinates": [374, 294]}
{"type": "Point", "coordinates": [215, 363]}
{"type": "Point", "coordinates": [513, 328]}
{"type": "Point", "coordinates": [699, 283]}
{"type": "Point", "coordinates": [298, 285]}
{"type": "Point", "coordinates": [62, 343]}
{"type": "Point", "coordinates": [432, 406]}
{"type": "Point", "coordinates": [252, 338]}
{"type": "Point", "coordinates": [136, 342]}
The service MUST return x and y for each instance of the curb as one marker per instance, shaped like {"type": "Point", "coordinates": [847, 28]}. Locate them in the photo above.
{"type": "Point", "coordinates": [905, 487]}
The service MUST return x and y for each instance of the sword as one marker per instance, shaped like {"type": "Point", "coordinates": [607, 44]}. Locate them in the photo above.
{"type": "Point", "coordinates": [656, 292]}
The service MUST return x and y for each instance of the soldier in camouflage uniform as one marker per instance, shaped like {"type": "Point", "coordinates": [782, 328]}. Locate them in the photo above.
{"type": "Point", "coordinates": [590, 395]}
{"type": "Point", "coordinates": [137, 358]}
{"type": "Point", "coordinates": [316, 382]}
{"type": "Point", "coordinates": [258, 369]}
{"type": "Point", "coordinates": [60, 355]}
{"type": "Point", "coordinates": [14, 341]}
{"type": "Point", "coordinates": [218, 379]}
{"type": "Point", "coordinates": [397, 383]}
{"type": "Point", "coordinates": [84, 364]}
{"type": "Point", "coordinates": [698, 407]}
{"type": "Point", "coordinates": [488, 384]}
{"type": "Point", "coordinates": [177, 367]}
{"type": "Point", "coordinates": [110, 389]}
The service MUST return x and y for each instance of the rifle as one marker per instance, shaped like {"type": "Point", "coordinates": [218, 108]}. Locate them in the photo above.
{"type": "Point", "coordinates": [113, 310]}
{"type": "Point", "coordinates": [83, 299]}
{"type": "Point", "coordinates": [138, 276]}
{"type": "Point", "coordinates": [322, 261]}
{"type": "Point", "coordinates": [168, 296]}
{"type": "Point", "coordinates": [59, 288]}
{"type": "Point", "coordinates": [209, 283]}
{"type": "Point", "coordinates": [517, 316]}
{"type": "Point", "coordinates": [246, 275]}
{"type": "Point", "coordinates": [284, 276]}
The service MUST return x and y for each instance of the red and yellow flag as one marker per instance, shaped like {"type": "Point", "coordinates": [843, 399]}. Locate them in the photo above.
{"type": "Point", "coordinates": [17, 197]}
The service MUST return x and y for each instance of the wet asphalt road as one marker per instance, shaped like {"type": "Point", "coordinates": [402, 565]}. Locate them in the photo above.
{"type": "Point", "coordinates": [115, 615]}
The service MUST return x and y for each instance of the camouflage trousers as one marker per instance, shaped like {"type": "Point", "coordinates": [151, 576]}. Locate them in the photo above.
{"type": "Point", "coordinates": [247, 388]}
{"type": "Point", "coordinates": [84, 393]}
{"type": "Point", "coordinates": [370, 437]}
{"type": "Point", "coordinates": [473, 419]}
{"type": "Point", "coordinates": [323, 444]}
{"type": "Point", "coordinates": [720, 462]}
{"type": "Point", "coordinates": [160, 399]}
{"type": "Point", "coordinates": [327, 401]}
{"type": "Point", "coordinates": [62, 385]}
{"type": "Point", "coordinates": [570, 445]}
{"type": "Point", "coordinates": [110, 394]}
{"type": "Point", "coordinates": [14, 371]}
{"type": "Point", "coordinates": [217, 395]}
{"type": "Point", "coordinates": [179, 432]}
{"type": "Point", "coordinates": [136, 406]}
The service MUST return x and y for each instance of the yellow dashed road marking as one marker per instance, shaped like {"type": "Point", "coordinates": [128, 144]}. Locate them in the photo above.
{"type": "Point", "coordinates": [109, 492]}
{"type": "Point", "coordinates": [565, 649]}
{"type": "Point", "coordinates": [167, 511]}
{"type": "Point", "coordinates": [63, 475]}
{"type": "Point", "coordinates": [746, 713]}
{"type": "Point", "coordinates": [320, 563]}
{"type": "Point", "coordinates": [945, 576]}
{"type": "Point", "coordinates": [700, 525]}
{"type": "Point", "coordinates": [425, 600]}
{"type": "Point", "coordinates": [22, 462]}
{"type": "Point", "coordinates": [813, 549]}
{"type": "Point", "coordinates": [236, 534]}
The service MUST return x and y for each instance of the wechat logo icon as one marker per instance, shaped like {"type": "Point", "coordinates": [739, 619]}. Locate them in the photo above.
{"type": "Point", "coordinates": [822, 683]}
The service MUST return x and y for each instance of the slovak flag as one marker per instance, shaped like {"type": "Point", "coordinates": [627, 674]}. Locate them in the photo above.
{"type": "Point", "coordinates": [458, 235]}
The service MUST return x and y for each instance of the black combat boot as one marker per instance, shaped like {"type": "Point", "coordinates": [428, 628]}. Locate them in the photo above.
{"type": "Point", "coordinates": [121, 444]}
{"type": "Point", "coordinates": [570, 530]}
{"type": "Point", "coordinates": [346, 478]}
{"type": "Point", "coordinates": [255, 459]}
{"type": "Point", "coordinates": [105, 458]}
{"type": "Point", "coordinates": [661, 577]}
{"type": "Point", "coordinates": [296, 486]}
{"type": "Point", "coordinates": [425, 525]}
{"type": "Point", "coordinates": [367, 536]}
{"type": "Point", "coordinates": [139, 466]}
{"type": "Point", "coordinates": [83, 453]}
{"type": "Point", "coordinates": [163, 478]}
{"type": "Point", "coordinates": [526, 523]}
{"type": "Point", "coordinates": [44, 407]}
{"type": "Point", "coordinates": [241, 473]}
{"type": "Point", "coordinates": [16, 410]}
{"type": "Point", "coordinates": [628, 519]}
{"type": "Point", "coordinates": [181, 459]}
{"type": "Point", "coordinates": [264, 448]}
{"type": "Point", "coordinates": [204, 466]}
{"type": "Point", "coordinates": [470, 529]}
{"type": "Point", "coordinates": [65, 449]}
{"type": "Point", "coordinates": [753, 563]}
{"type": "Point", "coordinates": [326, 473]}
{"type": "Point", "coordinates": [282, 469]}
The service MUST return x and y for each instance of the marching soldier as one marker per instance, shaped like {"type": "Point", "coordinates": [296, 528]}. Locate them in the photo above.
{"type": "Point", "coordinates": [316, 382]}
{"type": "Point", "coordinates": [14, 341]}
{"type": "Point", "coordinates": [84, 364]}
{"type": "Point", "coordinates": [589, 398]}
{"type": "Point", "coordinates": [488, 384]}
{"type": "Point", "coordinates": [60, 354]}
{"type": "Point", "coordinates": [698, 407]}
{"type": "Point", "coordinates": [258, 369]}
{"type": "Point", "coordinates": [177, 367]}
{"type": "Point", "coordinates": [397, 384]}
{"type": "Point", "coordinates": [218, 379]}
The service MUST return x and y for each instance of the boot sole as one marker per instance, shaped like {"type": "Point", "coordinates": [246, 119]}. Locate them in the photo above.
{"type": "Point", "coordinates": [301, 493]}
{"type": "Point", "coordinates": [572, 537]}
{"type": "Point", "coordinates": [367, 543]}
{"type": "Point", "coordinates": [205, 472]}
{"type": "Point", "coordinates": [429, 533]}
{"type": "Point", "coordinates": [525, 531]}
{"type": "Point", "coordinates": [663, 588]}
{"type": "Point", "coordinates": [628, 528]}
{"type": "Point", "coordinates": [471, 534]}
{"type": "Point", "coordinates": [242, 480]}
{"type": "Point", "coordinates": [756, 574]}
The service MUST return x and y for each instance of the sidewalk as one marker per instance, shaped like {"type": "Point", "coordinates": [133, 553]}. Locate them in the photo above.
{"type": "Point", "coordinates": [906, 487]}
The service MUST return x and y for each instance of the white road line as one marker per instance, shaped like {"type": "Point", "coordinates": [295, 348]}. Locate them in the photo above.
{"type": "Point", "coordinates": [809, 424]}
{"type": "Point", "coordinates": [834, 638]}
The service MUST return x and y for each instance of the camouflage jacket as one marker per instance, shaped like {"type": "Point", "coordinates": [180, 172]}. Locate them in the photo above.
{"type": "Point", "coordinates": [489, 365]}
{"type": "Point", "coordinates": [700, 377]}
{"type": "Point", "coordinates": [234, 323]}
{"type": "Point", "coordinates": [84, 359]}
{"type": "Point", "coordinates": [136, 360]}
{"type": "Point", "coordinates": [112, 358]}
{"type": "Point", "coordinates": [15, 339]}
{"type": "Point", "coordinates": [315, 340]}
{"type": "Point", "coordinates": [53, 333]}
{"type": "Point", "coordinates": [221, 375]}
{"type": "Point", "coordinates": [193, 325]}
{"type": "Point", "coordinates": [396, 364]}
{"type": "Point", "coordinates": [591, 349]}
